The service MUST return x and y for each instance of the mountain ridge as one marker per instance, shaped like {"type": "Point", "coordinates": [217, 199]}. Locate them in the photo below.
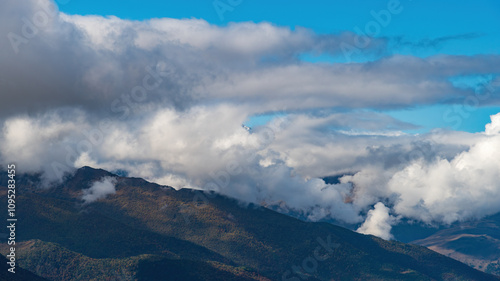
{"type": "Point", "coordinates": [206, 229]}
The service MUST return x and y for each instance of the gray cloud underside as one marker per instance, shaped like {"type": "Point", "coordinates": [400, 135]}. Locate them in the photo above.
{"type": "Point", "coordinates": [92, 61]}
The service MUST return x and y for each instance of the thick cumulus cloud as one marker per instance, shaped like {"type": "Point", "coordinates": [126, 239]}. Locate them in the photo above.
{"type": "Point", "coordinates": [441, 189]}
{"type": "Point", "coordinates": [37, 142]}
{"type": "Point", "coordinates": [165, 99]}
{"type": "Point", "coordinates": [378, 222]}
{"type": "Point", "coordinates": [450, 190]}
{"type": "Point", "coordinates": [440, 178]}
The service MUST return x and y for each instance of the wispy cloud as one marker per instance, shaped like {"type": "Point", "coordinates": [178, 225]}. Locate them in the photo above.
{"type": "Point", "coordinates": [401, 41]}
{"type": "Point", "coordinates": [99, 190]}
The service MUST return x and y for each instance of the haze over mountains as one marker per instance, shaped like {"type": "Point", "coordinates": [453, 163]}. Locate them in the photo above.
{"type": "Point", "coordinates": [145, 231]}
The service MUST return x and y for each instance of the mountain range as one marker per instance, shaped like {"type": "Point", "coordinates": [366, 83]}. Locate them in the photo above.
{"type": "Point", "coordinates": [145, 231]}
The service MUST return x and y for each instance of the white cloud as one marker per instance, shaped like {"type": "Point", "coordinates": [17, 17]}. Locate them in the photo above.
{"type": "Point", "coordinates": [378, 222]}
{"type": "Point", "coordinates": [441, 177]}
{"type": "Point", "coordinates": [448, 190]}
{"type": "Point", "coordinates": [99, 190]}
{"type": "Point", "coordinates": [36, 142]}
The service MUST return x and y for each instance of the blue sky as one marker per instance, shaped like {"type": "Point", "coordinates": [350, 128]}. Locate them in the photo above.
{"type": "Point", "coordinates": [422, 28]}
{"type": "Point", "coordinates": [418, 19]}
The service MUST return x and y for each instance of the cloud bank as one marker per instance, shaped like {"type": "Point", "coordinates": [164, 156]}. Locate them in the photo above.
{"type": "Point", "coordinates": [439, 178]}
